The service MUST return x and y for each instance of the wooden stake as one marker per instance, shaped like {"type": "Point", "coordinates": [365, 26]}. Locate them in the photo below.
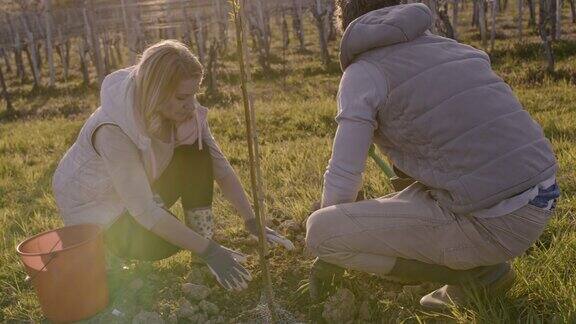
{"type": "Point", "coordinates": [493, 12]}
{"type": "Point", "coordinates": [558, 18]}
{"type": "Point", "coordinates": [6, 95]}
{"type": "Point", "coordinates": [31, 52]}
{"type": "Point", "coordinates": [252, 139]}
{"type": "Point", "coordinates": [520, 16]}
{"type": "Point", "coordinates": [482, 21]}
{"type": "Point", "coordinates": [92, 34]}
{"type": "Point", "coordinates": [455, 18]}
{"type": "Point", "coordinates": [319, 12]}
{"type": "Point", "coordinates": [48, 22]}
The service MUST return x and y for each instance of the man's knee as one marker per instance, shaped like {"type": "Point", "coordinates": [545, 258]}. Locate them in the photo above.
{"type": "Point", "coordinates": [318, 229]}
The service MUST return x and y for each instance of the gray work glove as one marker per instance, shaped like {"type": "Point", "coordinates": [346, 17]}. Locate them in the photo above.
{"type": "Point", "coordinates": [271, 236]}
{"type": "Point", "coordinates": [223, 263]}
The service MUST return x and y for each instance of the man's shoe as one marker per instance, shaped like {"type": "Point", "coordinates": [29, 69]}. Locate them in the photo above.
{"type": "Point", "coordinates": [497, 281]}
{"type": "Point", "coordinates": [322, 279]}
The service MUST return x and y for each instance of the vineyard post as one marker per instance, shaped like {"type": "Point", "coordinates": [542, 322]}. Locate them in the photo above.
{"type": "Point", "coordinates": [92, 33]}
{"type": "Point", "coordinates": [558, 20]}
{"type": "Point", "coordinates": [493, 12]}
{"type": "Point", "coordinates": [31, 51]}
{"type": "Point", "coordinates": [5, 94]}
{"type": "Point", "coordinates": [520, 16]}
{"type": "Point", "coordinates": [49, 52]}
{"type": "Point", "coordinates": [455, 18]}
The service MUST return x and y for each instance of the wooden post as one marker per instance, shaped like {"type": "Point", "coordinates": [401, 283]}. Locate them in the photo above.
{"type": "Point", "coordinates": [520, 16]}
{"type": "Point", "coordinates": [130, 40]}
{"type": "Point", "coordinates": [493, 12]}
{"type": "Point", "coordinates": [254, 157]}
{"type": "Point", "coordinates": [92, 33]}
{"type": "Point", "coordinates": [572, 11]}
{"type": "Point", "coordinates": [6, 60]}
{"type": "Point", "coordinates": [48, 21]}
{"type": "Point", "coordinates": [482, 21]}
{"type": "Point", "coordinates": [82, 50]}
{"type": "Point", "coordinates": [455, 17]}
{"type": "Point", "coordinates": [222, 25]}
{"type": "Point", "coordinates": [319, 12]}
{"type": "Point", "coordinates": [212, 68]}
{"type": "Point", "coordinates": [199, 37]}
{"type": "Point", "coordinates": [6, 95]}
{"type": "Point", "coordinates": [558, 21]}
{"type": "Point", "coordinates": [433, 5]}
{"type": "Point", "coordinates": [298, 23]}
{"type": "Point", "coordinates": [188, 28]}
{"type": "Point", "coordinates": [545, 20]}
{"type": "Point", "coordinates": [31, 52]}
{"type": "Point", "coordinates": [63, 50]}
{"type": "Point", "coordinates": [285, 30]}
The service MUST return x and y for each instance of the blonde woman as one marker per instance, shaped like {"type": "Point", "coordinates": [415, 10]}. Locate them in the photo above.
{"type": "Point", "coordinates": [148, 145]}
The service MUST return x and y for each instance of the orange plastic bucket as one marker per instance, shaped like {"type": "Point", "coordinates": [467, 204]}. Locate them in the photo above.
{"type": "Point", "coordinates": [67, 268]}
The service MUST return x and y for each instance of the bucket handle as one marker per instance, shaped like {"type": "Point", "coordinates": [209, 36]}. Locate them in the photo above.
{"type": "Point", "coordinates": [52, 255]}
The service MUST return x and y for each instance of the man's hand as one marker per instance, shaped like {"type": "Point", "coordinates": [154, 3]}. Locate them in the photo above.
{"type": "Point", "coordinates": [223, 263]}
{"type": "Point", "coordinates": [271, 236]}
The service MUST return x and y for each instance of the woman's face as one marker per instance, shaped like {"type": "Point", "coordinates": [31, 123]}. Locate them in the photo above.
{"type": "Point", "coordinates": [181, 106]}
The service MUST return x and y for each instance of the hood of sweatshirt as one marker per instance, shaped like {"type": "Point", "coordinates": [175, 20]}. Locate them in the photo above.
{"type": "Point", "coordinates": [384, 27]}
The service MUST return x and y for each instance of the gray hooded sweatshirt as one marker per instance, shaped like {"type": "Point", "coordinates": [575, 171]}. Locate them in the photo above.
{"type": "Point", "coordinates": [436, 109]}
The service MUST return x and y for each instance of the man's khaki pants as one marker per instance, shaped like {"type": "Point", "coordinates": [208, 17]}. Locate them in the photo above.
{"type": "Point", "coordinates": [369, 235]}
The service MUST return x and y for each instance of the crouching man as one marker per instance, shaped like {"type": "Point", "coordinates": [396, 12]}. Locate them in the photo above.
{"type": "Point", "coordinates": [484, 174]}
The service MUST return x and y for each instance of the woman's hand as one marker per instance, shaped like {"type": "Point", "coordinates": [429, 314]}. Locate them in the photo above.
{"type": "Point", "coordinates": [223, 263]}
{"type": "Point", "coordinates": [271, 236]}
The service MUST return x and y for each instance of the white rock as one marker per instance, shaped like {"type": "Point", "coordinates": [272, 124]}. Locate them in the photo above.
{"type": "Point", "coordinates": [340, 307]}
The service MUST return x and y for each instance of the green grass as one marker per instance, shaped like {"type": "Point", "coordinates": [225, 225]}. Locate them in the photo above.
{"type": "Point", "coordinates": [295, 107]}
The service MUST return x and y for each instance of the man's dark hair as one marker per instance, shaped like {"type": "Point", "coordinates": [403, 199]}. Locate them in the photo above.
{"type": "Point", "coordinates": [348, 10]}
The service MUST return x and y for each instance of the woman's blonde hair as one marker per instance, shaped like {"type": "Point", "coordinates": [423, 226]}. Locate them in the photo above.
{"type": "Point", "coordinates": [159, 71]}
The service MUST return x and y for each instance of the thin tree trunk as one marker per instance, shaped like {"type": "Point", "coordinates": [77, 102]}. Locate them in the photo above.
{"type": "Point", "coordinates": [520, 16]}
{"type": "Point", "coordinates": [83, 62]}
{"type": "Point", "coordinates": [320, 13]}
{"type": "Point", "coordinates": [6, 60]}
{"type": "Point", "coordinates": [222, 25]}
{"type": "Point", "coordinates": [130, 39]}
{"type": "Point", "coordinates": [494, 11]}
{"type": "Point", "coordinates": [31, 52]}
{"type": "Point", "coordinates": [20, 69]}
{"type": "Point", "coordinates": [573, 11]}
{"type": "Point", "coordinates": [92, 34]}
{"type": "Point", "coordinates": [212, 68]}
{"type": "Point", "coordinates": [199, 37]}
{"type": "Point", "coordinates": [544, 31]}
{"type": "Point", "coordinates": [285, 31]}
{"type": "Point", "coordinates": [558, 17]}
{"type": "Point", "coordinates": [48, 21]}
{"type": "Point", "coordinates": [455, 18]}
{"type": "Point", "coordinates": [298, 23]}
{"type": "Point", "coordinates": [482, 21]}
{"type": "Point", "coordinates": [532, 9]}
{"type": "Point", "coordinates": [6, 94]}
{"type": "Point", "coordinates": [553, 19]}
